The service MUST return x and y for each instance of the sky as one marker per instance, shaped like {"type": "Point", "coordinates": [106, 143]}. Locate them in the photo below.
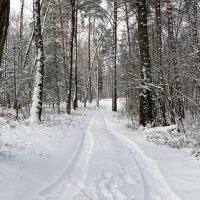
{"type": "Point", "coordinates": [15, 7]}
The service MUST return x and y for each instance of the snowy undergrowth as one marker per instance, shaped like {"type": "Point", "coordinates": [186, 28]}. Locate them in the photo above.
{"type": "Point", "coordinates": [165, 135]}
{"type": "Point", "coordinates": [33, 156]}
{"type": "Point", "coordinates": [83, 158]}
{"type": "Point", "coordinates": [18, 136]}
{"type": "Point", "coordinates": [188, 141]}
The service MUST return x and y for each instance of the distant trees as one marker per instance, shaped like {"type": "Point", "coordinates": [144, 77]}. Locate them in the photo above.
{"type": "Point", "coordinates": [146, 52]}
{"type": "Point", "coordinates": [173, 54]}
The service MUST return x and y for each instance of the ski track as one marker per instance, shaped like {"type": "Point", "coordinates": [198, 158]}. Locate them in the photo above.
{"type": "Point", "coordinates": [72, 180]}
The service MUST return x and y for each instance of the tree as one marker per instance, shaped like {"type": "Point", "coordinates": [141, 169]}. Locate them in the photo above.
{"type": "Point", "coordinates": [73, 22]}
{"type": "Point", "coordinates": [64, 45]}
{"type": "Point", "coordinates": [4, 23]}
{"type": "Point", "coordinates": [75, 100]}
{"type": "Point", "coordinates": [161, 112]}
{"type": "Point", "coordinates": [145, 63]}
{"type": "Point", "coordinates": [36, 109]}
{"type": "Point", "coordinates": [88, 56]}
{"type": "Point", "coordinates": [114, 96]}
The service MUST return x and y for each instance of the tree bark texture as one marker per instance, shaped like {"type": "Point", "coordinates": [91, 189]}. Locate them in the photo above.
{"type": "Point", "coordinates": [75, 101]}
{"type": "Point", "coordinates": [4, 23]}
{"type": "Point", "coordinates": [73, 22]}
{"type": "Point", "coordinates": [114, 95]}
{"type": "Point", "coordinates": [36, 109]}
{"type": "Point", "coordinates": [146, 93]}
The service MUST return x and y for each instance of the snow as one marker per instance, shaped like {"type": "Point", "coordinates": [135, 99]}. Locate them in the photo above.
{"type": "Point", "coordinates": [187, 140]}
{"type": "Point", "coordinates": [90, 155]}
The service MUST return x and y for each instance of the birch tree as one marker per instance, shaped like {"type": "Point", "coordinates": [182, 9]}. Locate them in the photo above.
{"type": "Point", "coordinates": [36, 109]}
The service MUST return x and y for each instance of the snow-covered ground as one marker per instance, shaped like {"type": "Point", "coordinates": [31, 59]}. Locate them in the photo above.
{"type": "Point", "coordinates": [90, 155]}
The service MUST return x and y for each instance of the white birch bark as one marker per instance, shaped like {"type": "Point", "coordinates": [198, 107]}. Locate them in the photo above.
{"type": "Point", "coordinates": [36, 109]}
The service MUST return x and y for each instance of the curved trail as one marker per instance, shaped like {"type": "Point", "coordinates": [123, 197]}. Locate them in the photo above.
{"type": "Point", "coordinates": [154, 183]}
{"type": "Point", "coordinates": [72, 180]}
{"type": "Point", "coordinates": [109, 166]}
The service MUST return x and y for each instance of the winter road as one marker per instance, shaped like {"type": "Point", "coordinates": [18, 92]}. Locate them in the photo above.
{"type": "Point", "coordinates": [109, 166]}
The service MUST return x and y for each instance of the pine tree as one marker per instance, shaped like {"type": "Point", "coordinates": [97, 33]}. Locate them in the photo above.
{"type": "Point", "coordinates": [146, 94]}
{"type": "Point", "coordinates": [73, 22]}
{"type": "Point", "coordinates": [115, 22]}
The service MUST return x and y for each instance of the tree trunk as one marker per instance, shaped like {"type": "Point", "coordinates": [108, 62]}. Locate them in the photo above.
{"type": "Point", "coordinates": [158, 36]}
{"type": "Point", "coordinates": [159, 69]}
{"type": "Point", "coordinates": [114, 95]}
{"type": "Point", "coordinates": [4, 23]}
{"type": "Point", "coordinates": [146, 93]}
{"type": "Point", "coordinates": [89, 60]}
{"type": "Point", "coordinates": [64, 47]}
{"type": "Point", "coordinates": [15, 84]}
{"type": "Point", "coordinates": [32, 35]}
{"type": "Point", "coordinates": [192, 7]}
{"type": "Point", "coordinates": [56, 63]}
{"type": "Point", "coordinates": [128, 31]}
{"type": "Point", "coordinates": [88, 91]}
{"type": "Point", "coordinates": [73, 21]}
{"type": "Point", "coordinates": [99, 80]}
{"type": "Point", "coordinates": [175, 86]}
{"type": "Point", "coordinates": [75, 102]}
{"type": "Point", "coordinates": [36, 109]}
{"type": "Point", "coordinates": [21, 32]}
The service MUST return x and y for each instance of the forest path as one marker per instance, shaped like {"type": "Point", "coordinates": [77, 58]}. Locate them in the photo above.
{"type": "Point", "coordinates": [91, 155]}
{"type": "Point", "coordinates": [109, 166]}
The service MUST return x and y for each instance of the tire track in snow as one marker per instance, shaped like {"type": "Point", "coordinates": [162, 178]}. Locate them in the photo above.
{"type": "Point", "coordinates": [155, 185]}
{"type": "Point", "coordinates": [141, 175]}
{"type": "Point", "coordinates": [72, 180]}
{"type": "Point", "coordinates": [110, 186]}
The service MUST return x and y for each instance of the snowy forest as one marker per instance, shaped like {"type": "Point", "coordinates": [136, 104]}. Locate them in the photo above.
{"type": "Point", "coordinates": [82, 75]}
{"type": "Point", "coordinates": [89, 50]}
